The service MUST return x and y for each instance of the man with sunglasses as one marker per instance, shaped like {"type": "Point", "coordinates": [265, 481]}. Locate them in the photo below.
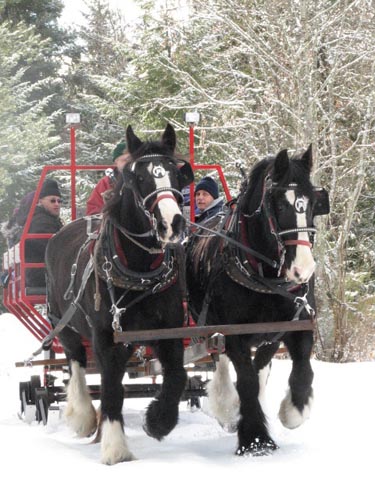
{"type": "Point", "coordinates": [46, 219]}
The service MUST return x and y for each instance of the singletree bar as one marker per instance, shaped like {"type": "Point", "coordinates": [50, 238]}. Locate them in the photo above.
{"type": "Point", "coordinates": [206, 331]}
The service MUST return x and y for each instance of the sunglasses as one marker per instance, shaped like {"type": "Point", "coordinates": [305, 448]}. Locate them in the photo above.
{"type": "Point", "coordinates": [55, 200]}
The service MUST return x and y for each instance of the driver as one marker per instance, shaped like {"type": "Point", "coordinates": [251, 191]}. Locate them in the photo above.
{"type": "Point", "coordinates": [96, 200]}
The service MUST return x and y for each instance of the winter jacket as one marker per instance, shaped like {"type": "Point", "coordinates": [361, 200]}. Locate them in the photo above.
{"type": "Point", "coordinates": [42, 222]}
{"type": "Point", "coordinates": [213, 209]}
{"type": "Point", "coordinates": [95, 203]}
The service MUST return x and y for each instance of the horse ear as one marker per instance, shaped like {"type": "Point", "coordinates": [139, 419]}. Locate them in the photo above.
{"type": "Point", "coordinates": [132, 140]}
{"type": "Point", "coordinates": [307, 157]}
{"type": "Point", "coordinates": [169, 137]}
{"type": "Point", "coordinates": [321, 202]}
{"type": "Point", "coordinates": [281, 165]}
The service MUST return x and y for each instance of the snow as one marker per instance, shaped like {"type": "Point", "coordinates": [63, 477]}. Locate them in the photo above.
{"type": "Point", "coordinates": [329, 456]}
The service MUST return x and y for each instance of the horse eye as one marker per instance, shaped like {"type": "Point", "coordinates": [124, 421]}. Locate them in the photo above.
{"type": "Point", "coordinates": [140, 178]}
{"type": "Point", "coordinates": [280, 206]}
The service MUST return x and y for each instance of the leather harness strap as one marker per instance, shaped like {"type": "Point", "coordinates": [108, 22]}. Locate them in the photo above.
{"type": "Point", "coordinates": [298, 242]}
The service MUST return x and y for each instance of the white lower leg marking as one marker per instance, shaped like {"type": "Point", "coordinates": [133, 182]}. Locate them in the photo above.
{"type": "Point", "coordinates": [79, 413]}
{"type": "Point", "coordinates": [223, 397]}
{"type": "Point", "coordinates": [114, 447]}
{"type": "Point", "coordinates": [290, 416]}
{"type": "Point", "coordinates": [263, 375]}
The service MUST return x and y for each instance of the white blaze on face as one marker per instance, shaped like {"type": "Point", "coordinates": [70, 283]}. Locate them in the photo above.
{"type": "Point", "coordinates": [303, 266]}
{"type": "Point", "coordinates": [168, 206]}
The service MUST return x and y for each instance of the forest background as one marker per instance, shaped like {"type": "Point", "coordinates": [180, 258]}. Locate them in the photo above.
{"type": "Point", "coordinates": [264, 76]}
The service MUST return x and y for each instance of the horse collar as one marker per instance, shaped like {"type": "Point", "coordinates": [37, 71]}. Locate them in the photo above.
{"type": "Point", "coordinates": [245, 269]}
{"type": "Point", "coordinates": [162, 273]}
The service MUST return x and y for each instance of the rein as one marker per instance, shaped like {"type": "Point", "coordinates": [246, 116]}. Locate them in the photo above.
{"type": "Point", "coordinates": [130, 236]}
{"type": "Point", "coordinates": [234, 242]}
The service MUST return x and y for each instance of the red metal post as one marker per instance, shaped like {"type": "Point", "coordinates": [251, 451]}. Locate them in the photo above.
{"type": "Point", "coordinates": [73, 166]}
{"type": "Point", "coordinates": [191, 151]}
{"type": "Point", "coordinates": [191, 143]}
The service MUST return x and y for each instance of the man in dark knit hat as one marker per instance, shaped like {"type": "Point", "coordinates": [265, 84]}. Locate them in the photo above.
{"type": "Point", "coordinates": [207, 199]}
{"type": "Point", "coordinates": [46, 219]}
{"type": "Point", "coordinates": [95, 202]}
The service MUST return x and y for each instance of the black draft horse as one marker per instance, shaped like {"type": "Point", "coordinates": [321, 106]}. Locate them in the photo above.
{"type": "Point", "coordinates": [267, 276]}
{"type": "Point", "coordinates": [123, 273]}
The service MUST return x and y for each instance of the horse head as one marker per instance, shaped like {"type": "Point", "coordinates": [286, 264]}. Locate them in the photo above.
{"type": "Point", "coordinates": [156, 178]}
{"type": "Point", "coordinates": [289, 203]}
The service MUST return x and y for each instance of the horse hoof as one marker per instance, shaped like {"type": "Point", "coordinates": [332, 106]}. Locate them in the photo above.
{"type": "Point", "coordinates": [84, 424]}
{"type": "Point", "coordinates": [114, 446]}
{"type": "Point", "coordinates": [230, 427]}
{"type": "Point", "coordinates": [259, 447]}
{"type": "Point", "coordinates": [118, 458]}
{"type": "Point", "coordinates": [157, 423]}
{"type": "Point", "coordinates": [290, 416]}
{"type": "Point", "coordinates": [153, 434]}
{"type": "Point", "coordinates": [155, 431]}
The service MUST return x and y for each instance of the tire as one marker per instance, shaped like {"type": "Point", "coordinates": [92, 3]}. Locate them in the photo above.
{"type": "Point", "coordinates": [34, 384]}
{"type": "Point", "coordinates": [41, 397]}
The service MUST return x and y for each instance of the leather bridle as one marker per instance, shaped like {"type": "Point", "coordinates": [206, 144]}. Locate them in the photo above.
{"type": "Point", "coordinates": [167, 192]}
{"type": "Point", "coordinates": [162, 192]}
{"type": "Point", "coordinates": [278, 233]}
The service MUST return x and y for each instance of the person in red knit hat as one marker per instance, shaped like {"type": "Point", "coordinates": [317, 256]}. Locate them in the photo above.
{"type": "Point", "coordinates": [95, 202]}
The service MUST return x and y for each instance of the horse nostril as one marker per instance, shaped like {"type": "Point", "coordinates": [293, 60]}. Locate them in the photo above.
{"type": "Point", "coordinates": [297, 272]}
{"type": "Point", "coordinates": [162, 226]}
{"type": "Point", "coordinates": [178, 224]}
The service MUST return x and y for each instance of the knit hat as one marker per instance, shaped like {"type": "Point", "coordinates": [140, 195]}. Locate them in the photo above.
{"type": "Point", "coordinates": [50, 188]}
{"type": "Point", "coordinates": [119, 150]}
{"type": "Point", "coordinates": [208, 184]}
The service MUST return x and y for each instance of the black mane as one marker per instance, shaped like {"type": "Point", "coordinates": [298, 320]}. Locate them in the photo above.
{"type": "Point", "coordinates": [151, 147]}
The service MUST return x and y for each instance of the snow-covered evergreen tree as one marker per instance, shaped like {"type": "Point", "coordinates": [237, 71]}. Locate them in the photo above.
{"type": "Point", "coordinates": [26, 132]}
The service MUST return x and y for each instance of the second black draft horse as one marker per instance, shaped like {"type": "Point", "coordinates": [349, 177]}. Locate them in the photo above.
{"type": "Point", "coordinates": [267, 276]}
{"type": "Point", "coordinates": [123, 273]}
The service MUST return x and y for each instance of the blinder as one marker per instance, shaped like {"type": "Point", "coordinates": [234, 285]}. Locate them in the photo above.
{"type": "Point", "coordinates": [321, 202]}
{"type": "Point", "coordinates": [185, 174]}
{"type": "Point", "coordinates": [129, 177]}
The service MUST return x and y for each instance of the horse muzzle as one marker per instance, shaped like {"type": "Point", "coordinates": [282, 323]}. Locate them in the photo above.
{"type": "Point", "coordinates": [171, 232]}
{"type": "Point", "coordinates": [302, 268]}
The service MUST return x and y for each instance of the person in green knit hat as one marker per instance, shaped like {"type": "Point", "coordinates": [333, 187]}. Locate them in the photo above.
{"type": "Point", "coordinates": [95, 202]}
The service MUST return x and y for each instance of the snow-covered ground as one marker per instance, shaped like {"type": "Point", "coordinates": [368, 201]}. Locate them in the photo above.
{"type": "Point", "coordinates": [330, 456]}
